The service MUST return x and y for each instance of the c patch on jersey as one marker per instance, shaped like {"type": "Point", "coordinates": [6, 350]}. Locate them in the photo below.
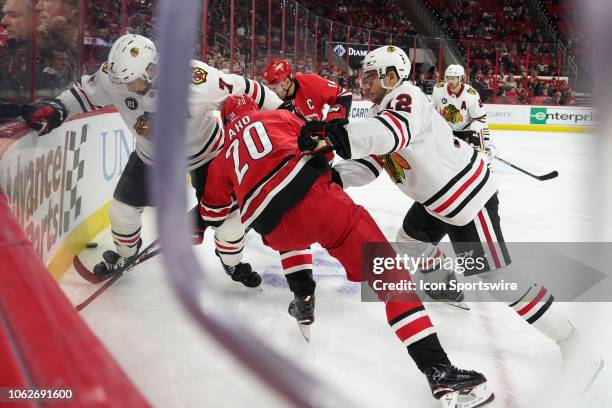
{"type": "Point", "coordinates": [131, 103]}
{"type": "Point", "coordinates": [395, 165]}
{"type": "Point", "coordinates": [198, 76]}
{"type": "Point", "coordinates": [452, 114]}
{"type": "Point", "coordinates": [471, 91]}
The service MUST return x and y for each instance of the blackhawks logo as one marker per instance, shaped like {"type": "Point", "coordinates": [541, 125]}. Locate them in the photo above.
{"type": "Point", "coordinates": [395, 166]}
{"type": "Point", "coordinates": [452, 114]}
{"type": "Point", "coordinates": [198, 76]}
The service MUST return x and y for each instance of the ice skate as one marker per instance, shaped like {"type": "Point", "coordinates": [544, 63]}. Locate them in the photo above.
{"type": "Point", "coordinates": [450, 297]}
{"type": "Point", "coordinates": [302, 309]}
{"type": "Point", "coordinates": [242, 273]}
{"type": "Point", "coordinates": [113, 262]}
{"type": "Point", "coordinates": [457, 388]}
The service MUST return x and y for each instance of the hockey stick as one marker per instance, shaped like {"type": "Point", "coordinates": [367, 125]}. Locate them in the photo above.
{"type": "Point", "coordinates": [543, 177]}
{"type": "Point", "coordinates": [146, 254]}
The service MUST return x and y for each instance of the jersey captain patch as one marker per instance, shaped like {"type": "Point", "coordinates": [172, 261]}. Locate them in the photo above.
{"type": "Point", "coordinates": [198, 76]}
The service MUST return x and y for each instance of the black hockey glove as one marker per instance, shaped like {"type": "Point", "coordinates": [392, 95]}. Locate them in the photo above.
{"type": "Point", "coordinates": [470, 136]}
{"type": "Point", "coordinates": [44, 116]}
{"type": "Point", "coordinates": [9, 111]}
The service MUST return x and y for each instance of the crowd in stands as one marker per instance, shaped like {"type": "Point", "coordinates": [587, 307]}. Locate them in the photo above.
{"type": "Point", "coordinates": [57, 51]}
{"type": "Point", "coordinates": [504, 27]}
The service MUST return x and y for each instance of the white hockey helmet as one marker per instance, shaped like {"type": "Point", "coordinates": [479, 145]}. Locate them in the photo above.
{"type": "Point", "coordinates": [385, 57]}
{"type": "Point", "coordinates": [129, 58]}
{"type": "Point", "coordinates": [455, 70]}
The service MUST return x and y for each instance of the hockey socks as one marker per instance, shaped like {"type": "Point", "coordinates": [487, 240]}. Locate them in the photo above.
{"type": "Point", "coordinates": [297, 266]}
{"type": "Point", "coordinates": [412, 326]}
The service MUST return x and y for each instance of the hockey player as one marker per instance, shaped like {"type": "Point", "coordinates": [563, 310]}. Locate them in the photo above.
{"type": "Point", "coordinates": [454, 191]}
{"type": "Point", "coordinates": [127, 81]}
{"type": "Point", "coordinates": [460, 105]}
{"type": "Point", "coordinates": [290, 199]}
{"type": "Point", "coordinates": [308, 93]}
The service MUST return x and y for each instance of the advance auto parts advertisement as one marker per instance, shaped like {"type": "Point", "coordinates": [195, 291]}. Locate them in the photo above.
{"type": "Point", "coordinates": [54, 182]}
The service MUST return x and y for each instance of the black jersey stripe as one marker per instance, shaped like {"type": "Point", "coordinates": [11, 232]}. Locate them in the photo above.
{"type": "Point", "coordinates": [452, 181]}
{"type": "Point", "coordinates": [403, 119]}
{"type": "Point", "coordinates": [469, 197]}
{"type": "Point", "coordinates": [78, 98]}
{"type": "Point", "coordinates": [393, 132]}
{"type": "Point", "coordinates": [215, 207]}
{"type": "Point", "coordinates": [268, 176]}
{"type": "Point", "coordinates": [263, 95]}
{"type": "Point", "coordinates": [369, 165]}
{"type": "Point", "coordinates": [208, 142]}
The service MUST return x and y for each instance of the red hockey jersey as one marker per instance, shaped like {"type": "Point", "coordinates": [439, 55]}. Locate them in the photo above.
{"type": "Point", "coordinates": [261, 169]}
{"type": "Point", "coordinates": [313, 92]}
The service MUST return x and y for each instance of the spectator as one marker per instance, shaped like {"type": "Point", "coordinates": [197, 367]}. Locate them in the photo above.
{"type": "Point", "coordinates": [58, 42]}
{"type": "Point", "coordinates": [15, 56]}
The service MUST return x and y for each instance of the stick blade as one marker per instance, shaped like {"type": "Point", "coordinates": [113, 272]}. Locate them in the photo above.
{"type": "Point", "coordinates": [549, 176]}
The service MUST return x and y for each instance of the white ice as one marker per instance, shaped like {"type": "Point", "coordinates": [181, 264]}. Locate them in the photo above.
{"type": "Point", "coordinates": [175, 364]}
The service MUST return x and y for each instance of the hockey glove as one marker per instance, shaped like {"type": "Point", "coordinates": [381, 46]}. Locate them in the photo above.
{"type": "Point", "coordinates": [44, 116]}
{"type": "Point", "coordinates": [312, 137]}
{"type": "Point", "coordinates": [9, 110]}
{"type": "Point", "coordinates": [143, 124]}
{"type": "Point", "coordinates": [469, 136]}
{"type": "Point", "coordinates": [199, 227]}
{"type": "Point", "coordinates": [335, 112]}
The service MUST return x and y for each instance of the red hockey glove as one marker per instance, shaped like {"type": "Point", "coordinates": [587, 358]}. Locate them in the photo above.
{"type": "Point", "coordinates": [335, 112]}
{"type": "Point", "coordinates": [44, 116]}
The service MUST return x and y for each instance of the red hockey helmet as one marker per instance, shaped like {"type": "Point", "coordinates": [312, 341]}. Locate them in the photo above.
{"type": "Point", "coordinates": [276, 71]}
{"type": "Point", "coordinates": [237, 106]}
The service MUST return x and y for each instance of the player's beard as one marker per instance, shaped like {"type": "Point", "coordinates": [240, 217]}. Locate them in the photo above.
{"type": "Point", "coordinates": [146, 89]}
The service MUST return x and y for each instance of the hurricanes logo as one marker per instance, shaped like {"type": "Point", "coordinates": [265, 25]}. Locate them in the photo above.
{"type": "Point", "coordinates": [451, 114]}
{"type": "Point", "coordinates": [134, 51]}
{"type": "Point", "coordinates": [395, 166]}
{"type": "Point", "coordinates": [391, 49]}
{"type": "Point", "coordinates": [198, 76]}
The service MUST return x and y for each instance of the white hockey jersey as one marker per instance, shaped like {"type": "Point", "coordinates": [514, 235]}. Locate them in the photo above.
{"type": "Point", "coordinates": [407, 138]}
{"type": "Point", "coordinates": [208, 89]}
{"type": "Point", "coordinates": [462, 111]}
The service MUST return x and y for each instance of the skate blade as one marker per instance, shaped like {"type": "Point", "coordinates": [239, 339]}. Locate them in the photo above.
{"type": "Point", "coordinates": [460, 305]}
{"type": "Point", "coordinates": [593, 377]}
{"type": "Point", "coordinates": [479, 396]}
{"type": "Point", "coordinates": [305, 330]}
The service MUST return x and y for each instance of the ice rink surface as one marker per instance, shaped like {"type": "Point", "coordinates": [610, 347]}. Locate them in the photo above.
{"type": "Point", "coordinates": [175, 364]}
